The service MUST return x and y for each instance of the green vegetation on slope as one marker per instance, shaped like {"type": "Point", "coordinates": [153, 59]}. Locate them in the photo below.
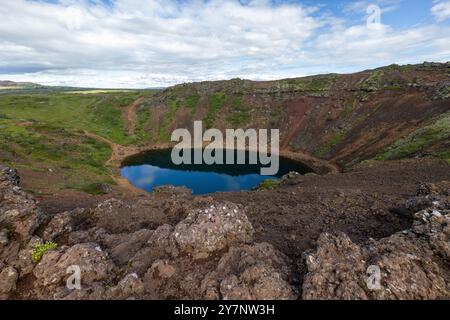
{"type": "Point", "coordinates": [192, 102]}
{"type": "Point", "coordinates": [100, 113]}
{"type": "Point", "coordinates": [144, 124]}
{"type": "Point", "coordinates": [269, 184]}
{"type": "Point", "coordinates": [77, 161]}
{"type": "Point", "coordinates": [240, 114]}
{"type": "Point", "coordinates": [416, 143]}
{"type": "Point", "coordinates": [317, 85]}
{"type": "Point", "coordinates": [215, 103]}
{"type": "Point", "coordinates": [352, 119]}
{"type": "Point", "coordinates": [163, 133]}
{"type": "Point", "coordinates": [45, 133]}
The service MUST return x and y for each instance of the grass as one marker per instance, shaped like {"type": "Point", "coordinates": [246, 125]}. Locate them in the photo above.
{"type": "Point", "coordinates": [39, 250]}
{"type": "Point", "coordinates": [99, 113]}
{"type": "Point", "coordinates": [42, 147]}
{"type": "Point", "coordinates": [240, 114]}
{"type": "Point", "coordinates": [215, 103]}
{"type": "Point", "coordinates": [192, 102]}
{"type": "Point", "coordinates": [99, 91]}
{"type": "Point", "coordinates": [143, 125]}
{"type": "Point", "coordinates": [332, 142]}
{"type": "Point", "coordinates": [45, 133]}
{"type": "Point", "coordinates": [163, 134]}
{"type": "Point", "coordinates": [311, 85]}
{"type": "Point", "coordinates": [421, 139]}
{"type": "Point", "coordinates": [373, 82]}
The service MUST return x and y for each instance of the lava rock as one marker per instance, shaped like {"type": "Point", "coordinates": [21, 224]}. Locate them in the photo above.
{"type": "Point", "coordinates": [8, 280]}
{"type": "Point", "coordinates": [214, 229]}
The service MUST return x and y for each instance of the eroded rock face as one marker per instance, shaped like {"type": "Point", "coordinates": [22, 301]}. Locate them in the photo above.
{"type": "Point", "coordinates": [219, 264]}
{"type": "Point", "coordinates": [64, 223]}
{"type": "Point", "coordinates": [336, 270]}
{"type": "Point", "coordinates": [256, 272]}
{"type": "Point", "coordinates": [8, 280]}
{"type": "Point", "coordinates": [412, 264]}
{"type": "Point", "coordinates": [10, 174]}
{"type": "Point", "coordinates": [213, 229]}
{"type": "Point", "coordinates": [18, 210]}
{"type": "Point", "coordinates": [94, 264]}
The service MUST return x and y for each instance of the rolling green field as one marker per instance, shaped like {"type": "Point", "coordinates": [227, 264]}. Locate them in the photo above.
{"type": "Point", "coordinates": [45, 133]}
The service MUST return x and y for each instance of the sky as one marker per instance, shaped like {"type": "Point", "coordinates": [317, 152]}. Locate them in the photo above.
{"type": "Point", "coordinates": [158, 43]}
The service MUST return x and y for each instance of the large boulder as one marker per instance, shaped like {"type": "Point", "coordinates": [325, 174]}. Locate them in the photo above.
{"type": "Point", "coordinates": [213, 229]}
{"type": "Point", "coordinates": [336, 270]}
{"type": "Point", "coordinates": [253, 272]}
{"type": "Point", "coordinates": [125, 246]}
{"type": "Point", "coordinates": [18, 210]}
{"type": "Point", "coordinates": [8, 280]}
{"type": "Point", "coordinates": [161, 245]}
{"type": "Point", "coordinates": [64, 223]}
{"type": "Point", "coordinates": [94, 264]}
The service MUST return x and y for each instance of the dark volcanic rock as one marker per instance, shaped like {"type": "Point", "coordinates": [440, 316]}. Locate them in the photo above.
{"type": "Point", "coordinates": [412, 264]}
{"type": "Point", "coordinates": [213, 229]}
{"type": "Point", "coordinates": [206, 249]}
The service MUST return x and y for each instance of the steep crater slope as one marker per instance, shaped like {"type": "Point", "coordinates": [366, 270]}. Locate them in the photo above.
{"type": "Point", "coordinates": [341, 118]}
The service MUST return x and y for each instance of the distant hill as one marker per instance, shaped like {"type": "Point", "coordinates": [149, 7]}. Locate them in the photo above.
{"type": "Point", "coordinates": [13, 84]}
{"type": "Point", "coordinates": [7, 86]}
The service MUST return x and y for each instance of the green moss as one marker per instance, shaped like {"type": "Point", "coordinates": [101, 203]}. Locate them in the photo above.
{"type": "Point", "coordinates": [215, 103]}
{"type": "Point", "coordinates": [346, 111]}
{"type": "Point", "coordinates": [339, 136]}
{"type": "Point", "coordinates": [192, 102]}
{"type": "Point", "coordinates": [240, 114]}
{"type": "Point", "coordinates": [276, 115]}
{"type": "Point", "coordinates": [40, 147]}
{"type": "Point", "coordinates": [392, 87]}
{"type": "Point", "coordinates": [310, 85]}
{"type": "Point", "coordinates": [97, 113]}
{"type": "Point", "coordinates": [39, 250]}
{"type": "Point", "coordinates": [144, 123]}
{"type": "Point", "coordinates": [163, 133]}
{"type": "Point", "coordinates": [373, 82]}
{"type": "Point", "coordinates": [419, 140]}
{"type": "Point", "coordinates": [334, 140]}
{"type": "Point", "coordinates": [269, 184]}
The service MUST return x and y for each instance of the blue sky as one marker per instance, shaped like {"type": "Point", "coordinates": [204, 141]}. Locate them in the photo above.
{"type": "Point", "coordinates": [147, 43]}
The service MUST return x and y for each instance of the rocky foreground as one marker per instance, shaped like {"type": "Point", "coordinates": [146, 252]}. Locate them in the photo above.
{"type": "Point", "coordinates": [211, 253]}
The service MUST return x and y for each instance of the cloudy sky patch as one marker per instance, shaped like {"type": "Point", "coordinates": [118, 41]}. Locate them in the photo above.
{"type": "Point", "coordinates": [153, 43]}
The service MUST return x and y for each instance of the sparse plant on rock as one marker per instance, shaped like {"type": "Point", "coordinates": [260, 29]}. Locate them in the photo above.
{"type": "Point", "coordinates": [40, 249]}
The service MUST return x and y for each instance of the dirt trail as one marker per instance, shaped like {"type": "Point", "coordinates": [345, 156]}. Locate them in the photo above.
{"type": "Point", "coordinates": [118, 153]}
{"type": "Point", "coordinates": [131, 115]}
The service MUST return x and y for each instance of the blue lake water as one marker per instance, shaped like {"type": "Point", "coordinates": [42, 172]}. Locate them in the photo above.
{"type": "Point", "coordinates": [153, 169]}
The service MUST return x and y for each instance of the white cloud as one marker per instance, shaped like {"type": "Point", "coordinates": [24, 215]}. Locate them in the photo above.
{"type": "Point", "coordinates": [441, 10]}
{"type": "Point", "coordinates": [158, 42]}
{"type": "Point", "coordinates": [362, 5]}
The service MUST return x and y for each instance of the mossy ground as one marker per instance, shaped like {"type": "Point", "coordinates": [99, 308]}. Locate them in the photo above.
{"type": "Point", "coordinates": [45, 133]}
{"type": "Point", "coordinates": [418, 142]}
{"type": "Point", "coordinates": [215, 103]}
